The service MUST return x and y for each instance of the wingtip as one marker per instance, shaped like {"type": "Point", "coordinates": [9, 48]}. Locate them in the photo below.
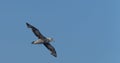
{"type": "Point", "coordinates": [28, 25]}
{"type": "Point", "coordinates": [55, 55]}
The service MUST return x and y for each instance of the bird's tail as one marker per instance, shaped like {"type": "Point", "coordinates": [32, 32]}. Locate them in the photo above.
{"type": "Point", "coordinates": [32, 42]}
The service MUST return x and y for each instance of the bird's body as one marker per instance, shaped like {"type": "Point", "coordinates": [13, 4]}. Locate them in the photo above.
{"type": "Point", "coordinates": [39, 41]}
{"type": "Point", "coordinates": [42, 40]}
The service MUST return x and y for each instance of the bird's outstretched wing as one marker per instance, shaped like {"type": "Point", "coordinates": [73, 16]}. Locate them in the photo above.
{"type": "Point", "coordinates": [51, 48]}
{"type": "Point", "coordinates": [35, 31]}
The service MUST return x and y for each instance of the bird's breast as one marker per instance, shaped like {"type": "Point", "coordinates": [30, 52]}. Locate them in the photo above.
{"type": "Point", "coordinates": [39, 41]}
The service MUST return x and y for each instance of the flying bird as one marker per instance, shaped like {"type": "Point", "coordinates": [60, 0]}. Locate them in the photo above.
{"type": "Point", "coordinates": [42, 40]}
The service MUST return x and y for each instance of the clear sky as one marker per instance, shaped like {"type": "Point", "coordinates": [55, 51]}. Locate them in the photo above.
{"type": "Point", "coordinates": [85, 31]}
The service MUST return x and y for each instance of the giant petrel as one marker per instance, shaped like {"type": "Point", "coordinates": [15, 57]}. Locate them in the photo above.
{"type": "Point", "coordinates": [42, 40]}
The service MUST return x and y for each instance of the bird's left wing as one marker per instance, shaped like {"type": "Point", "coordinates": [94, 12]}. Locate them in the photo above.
{"type": "Point", "coordinates": [35, 31]}
{"type": "Point", "coordinates": [51, 48]}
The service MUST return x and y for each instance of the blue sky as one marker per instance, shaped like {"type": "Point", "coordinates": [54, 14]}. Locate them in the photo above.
{"type": "Point", "coordinates": [85, 31]}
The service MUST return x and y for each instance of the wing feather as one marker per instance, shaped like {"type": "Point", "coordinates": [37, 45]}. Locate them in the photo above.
{"type": "Point", "coordinates": [51, 48]}
{"type": "Point", "coordinates": [35, 31]}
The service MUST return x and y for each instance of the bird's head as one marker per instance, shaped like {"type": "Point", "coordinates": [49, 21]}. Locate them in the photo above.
{"type": "Point", "coordinates": [50, 39]}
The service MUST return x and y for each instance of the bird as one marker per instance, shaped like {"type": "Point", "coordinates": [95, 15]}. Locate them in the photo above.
{"type": "Point", "coordinates": [42, 39]}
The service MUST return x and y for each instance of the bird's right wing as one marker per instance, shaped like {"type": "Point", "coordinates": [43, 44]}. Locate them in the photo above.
{"type": "Point", "coordinates": [51, 48]}
{"type": "Point", "coordinates": [35, 31]}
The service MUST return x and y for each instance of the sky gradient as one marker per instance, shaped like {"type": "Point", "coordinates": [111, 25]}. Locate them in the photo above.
{"type": "Point", "coordinates": [85, 31]}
